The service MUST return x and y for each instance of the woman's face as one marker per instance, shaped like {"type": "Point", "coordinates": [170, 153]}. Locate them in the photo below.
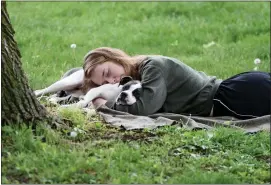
{"type": "Point", "coordinates": [108, 72]}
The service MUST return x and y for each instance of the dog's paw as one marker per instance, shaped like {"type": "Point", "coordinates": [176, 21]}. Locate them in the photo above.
{"type": "Point", "coordinates": [81, 104]}
{"type": "Point", "coordinates": [90, 106]}
{"type": "Point", "coordinates": [53, 99]}
{"type": "Point", "coordinates": [89, 112]}
{"type": "Point", "coordinates": [78, 105]}
{"type": "Point", "coordinates": [73, 105]}
{"type": "Point", "coordinates": [66, 106]}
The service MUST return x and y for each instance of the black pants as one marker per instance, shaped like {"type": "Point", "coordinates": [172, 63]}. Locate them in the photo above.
{"type": "Point", "coordinates": [244, 96]}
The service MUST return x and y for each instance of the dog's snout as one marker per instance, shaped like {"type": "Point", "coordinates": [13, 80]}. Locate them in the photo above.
{"type": "Point", "coordinates": [123, 95]}
{"type": "Point", "coordinates": [122, 98]}
{"type": "Point", "coordinates": [130, 93]}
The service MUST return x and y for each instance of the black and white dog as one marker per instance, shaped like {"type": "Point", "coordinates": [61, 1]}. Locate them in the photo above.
{"type": "Point", "coordinates": [124, 93]}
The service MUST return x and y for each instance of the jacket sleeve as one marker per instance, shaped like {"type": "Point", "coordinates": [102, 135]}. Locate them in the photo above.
{"type": "Point", "coordinates": [153, 93]}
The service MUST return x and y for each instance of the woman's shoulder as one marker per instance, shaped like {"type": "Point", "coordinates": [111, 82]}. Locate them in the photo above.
{"type": "Point", "coordinates": [155, 60]}
{"type": "Point", "coordinates": [160, 61]}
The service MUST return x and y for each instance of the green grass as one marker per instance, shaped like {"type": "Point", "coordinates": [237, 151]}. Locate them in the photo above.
{"type": "Point", "coordinates": [107, 155]}
{"type": "Point", "coordinates": [44, 33]}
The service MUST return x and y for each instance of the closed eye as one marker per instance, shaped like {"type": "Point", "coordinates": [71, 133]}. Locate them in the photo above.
{"type": "Point", "coordinates": [103, 75]}
{"type": "Point", "coordinates": [108, 73]}
{"type": "Point", "coordinates": [103, 72]}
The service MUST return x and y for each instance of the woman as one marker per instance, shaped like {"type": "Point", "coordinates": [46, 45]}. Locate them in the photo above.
{"type": "Point", "coordinates": [171, 86]}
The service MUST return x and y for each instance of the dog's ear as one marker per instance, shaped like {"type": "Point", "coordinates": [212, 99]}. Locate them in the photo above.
{"type": "Point", "coordinates": [125, 79]}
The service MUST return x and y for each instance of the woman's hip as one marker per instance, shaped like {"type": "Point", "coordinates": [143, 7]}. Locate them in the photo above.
{"type": "Point", "coordinates": [245, 95]}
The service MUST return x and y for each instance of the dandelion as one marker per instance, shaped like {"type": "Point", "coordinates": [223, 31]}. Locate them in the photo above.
{"type": "Point", "coordinates": [257, 61]}
{"type": "Point", "coordinates": [73, 46]}
{"type": "Point", "coordinates": [73, 134]}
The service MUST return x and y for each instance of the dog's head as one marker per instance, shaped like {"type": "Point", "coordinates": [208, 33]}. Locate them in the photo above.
{"type": "Point", "coordinates": [130, 91]}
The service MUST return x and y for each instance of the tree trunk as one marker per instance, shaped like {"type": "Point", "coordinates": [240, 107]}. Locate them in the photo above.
{"type": "Point", "coordinates": [18, 102]}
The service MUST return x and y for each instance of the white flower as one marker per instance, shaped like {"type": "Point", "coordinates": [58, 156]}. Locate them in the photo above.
{"type": "Point", "coordinates": [257, 61]}
{"type": "Point", "coordinates": [78, 130]}
{"type": "Point", "coordinates": [73, 134]}
{"type": "Point", "coordinates": [255, 68]}
{"type": "Point", "coordinates": [73, 46]}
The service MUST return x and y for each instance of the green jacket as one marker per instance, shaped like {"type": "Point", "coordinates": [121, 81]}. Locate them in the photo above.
{"type": "Point", "coordinates": [171, 86]}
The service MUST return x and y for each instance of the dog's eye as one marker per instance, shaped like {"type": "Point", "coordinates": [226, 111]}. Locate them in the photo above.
{"type": "Point", "coordinates": [125, 88]}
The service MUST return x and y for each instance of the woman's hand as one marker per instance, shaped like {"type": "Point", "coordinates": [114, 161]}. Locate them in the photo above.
{"type": "Point", "coordinates": [97, 102]}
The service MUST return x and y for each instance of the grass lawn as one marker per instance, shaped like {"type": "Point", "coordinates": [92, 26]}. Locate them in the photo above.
{"type": "Point", "coordinates": [44, 33]}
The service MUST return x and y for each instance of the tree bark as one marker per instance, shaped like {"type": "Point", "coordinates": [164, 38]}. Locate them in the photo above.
{"type": "Point", "coordinates": [18, 102]}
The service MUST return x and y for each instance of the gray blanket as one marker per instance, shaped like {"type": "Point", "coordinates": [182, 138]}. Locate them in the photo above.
{"type": "Point", "coordinates": [130, 122]}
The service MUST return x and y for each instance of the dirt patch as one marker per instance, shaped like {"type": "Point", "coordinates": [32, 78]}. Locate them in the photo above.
{"type": "Point", "coordinates": [266, 158]}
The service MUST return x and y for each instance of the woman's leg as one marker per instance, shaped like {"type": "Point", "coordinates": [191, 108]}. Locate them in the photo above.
{"type": "Point", "coordinates": [245, 96]}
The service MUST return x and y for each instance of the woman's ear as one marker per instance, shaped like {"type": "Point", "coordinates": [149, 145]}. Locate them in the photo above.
{"type": "Point", "coordinates": [125, 79]}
